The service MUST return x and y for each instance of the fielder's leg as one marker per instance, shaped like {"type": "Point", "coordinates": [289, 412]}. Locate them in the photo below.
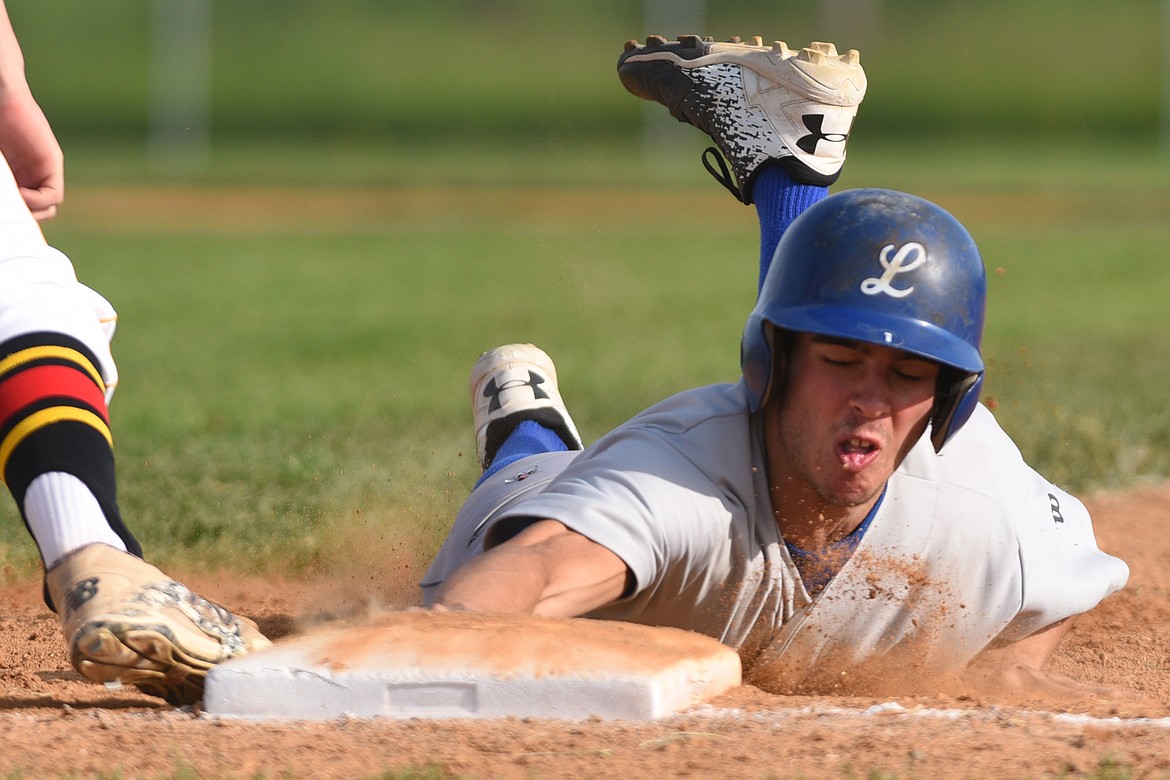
{"type": "Point", "coordinates": [56, 377]}
{"type": "Point", "coordinates": [123, 619]}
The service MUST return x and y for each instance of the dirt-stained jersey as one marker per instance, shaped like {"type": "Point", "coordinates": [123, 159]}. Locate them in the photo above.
{"type": "Point", "coordinates": [967, 547]}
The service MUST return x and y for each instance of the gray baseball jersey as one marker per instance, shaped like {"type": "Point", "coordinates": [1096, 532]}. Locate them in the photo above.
{"type": "Point", "coordinates": [967, 547]}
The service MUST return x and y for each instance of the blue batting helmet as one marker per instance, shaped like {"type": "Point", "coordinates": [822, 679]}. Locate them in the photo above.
{"type": "Point", "coordinates": [885, 268]}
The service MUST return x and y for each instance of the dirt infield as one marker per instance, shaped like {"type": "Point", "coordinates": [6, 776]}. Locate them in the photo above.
{"type": "Point", "coordinates": [55, 724]}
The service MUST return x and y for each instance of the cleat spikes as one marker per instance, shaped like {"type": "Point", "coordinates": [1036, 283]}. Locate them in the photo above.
{"type": "Point", "coordinates": [655, 40]}
{"type": "Point", "coordinates": [127, 622]}
{"type": "Point", "coordinates": [734, 39]}
{"type": "Point", "coordinates": [757, 40]}
{"type": "Point", "coordinates": [827, 49]}
{"type": "Point", "coordinates": [631, 45]}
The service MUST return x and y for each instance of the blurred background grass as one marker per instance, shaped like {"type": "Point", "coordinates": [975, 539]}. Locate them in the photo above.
{"type": "Point", "coordinates": [387, 188]}
{"type": "Point", "coordinates": [401, 72]}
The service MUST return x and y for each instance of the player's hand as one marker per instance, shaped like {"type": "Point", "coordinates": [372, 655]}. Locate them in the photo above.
{"type": "Point", "coordinates": [33, 154]}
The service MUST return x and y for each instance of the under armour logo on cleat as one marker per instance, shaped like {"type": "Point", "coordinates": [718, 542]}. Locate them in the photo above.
{"type": "Point", "coordinates": [492, 390]}
{"type": "Point", "coordinates": [815, 123]}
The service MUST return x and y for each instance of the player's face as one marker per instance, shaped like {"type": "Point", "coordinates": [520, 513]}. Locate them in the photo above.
{"type": "Point", "coordinates": [849, 414]}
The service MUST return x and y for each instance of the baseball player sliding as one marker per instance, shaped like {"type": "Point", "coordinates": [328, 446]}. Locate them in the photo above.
{"type": "Point", "coordinates": [847, 507]}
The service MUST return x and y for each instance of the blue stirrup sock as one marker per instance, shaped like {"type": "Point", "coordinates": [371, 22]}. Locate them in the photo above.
{"type": "Point", "coordinates": [779, 200]}
{"type": "Point", "coordinates": [528, 438]}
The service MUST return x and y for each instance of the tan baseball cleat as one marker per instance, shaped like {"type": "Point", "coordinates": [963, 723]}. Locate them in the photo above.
{"type": "Point", "coordinates": [127, 622]}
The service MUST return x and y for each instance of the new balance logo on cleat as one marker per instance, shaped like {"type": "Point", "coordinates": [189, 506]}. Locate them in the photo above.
{"type": "Point", "coordinates": [80, 593]}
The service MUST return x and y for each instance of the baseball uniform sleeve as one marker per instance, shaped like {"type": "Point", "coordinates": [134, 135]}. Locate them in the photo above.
{"type": "Point", "coordinates": [1053, 553]}
{"type": "Point", "coordinates": [648, 503]}
{"type": "Point", "coordinates": [1065, 573]}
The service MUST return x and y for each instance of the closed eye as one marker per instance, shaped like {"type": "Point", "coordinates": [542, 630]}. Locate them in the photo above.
{"type": "Point", "coordinates": [916, 372]}
{"type": "Point", "coordinates": [835, 355]}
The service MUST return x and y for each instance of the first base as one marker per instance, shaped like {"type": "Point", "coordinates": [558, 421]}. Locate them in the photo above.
{"type": "Point", "coordinates": [470, 665]}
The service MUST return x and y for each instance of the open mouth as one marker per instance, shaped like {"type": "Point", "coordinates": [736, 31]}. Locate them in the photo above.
{"type": "Point", "coordinates": [856, 453]}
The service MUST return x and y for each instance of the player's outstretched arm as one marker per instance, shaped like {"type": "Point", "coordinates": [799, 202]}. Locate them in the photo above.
{"type": "Point", "coordinates": [1019, 668]}
{"type": "Point", "coordinates": [26, 139]}
{"type": "Point", "coordinates": [546, 569]}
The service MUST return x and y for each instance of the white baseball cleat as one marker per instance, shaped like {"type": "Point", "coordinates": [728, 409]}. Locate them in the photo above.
{"type": "Point", "coordinates": [127, 622]}
{"type": "Point", "coordinates": [758, 103]}
{"type": "Point", "coordinates": [510, 384]}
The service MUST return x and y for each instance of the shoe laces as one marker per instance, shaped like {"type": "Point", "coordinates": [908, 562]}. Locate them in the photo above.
{"type": "Point", "coordinates": [719, 170]}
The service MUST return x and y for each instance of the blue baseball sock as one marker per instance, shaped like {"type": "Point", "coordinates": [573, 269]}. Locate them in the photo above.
{"type": "Point", "coordinates": [528, 438]}
{"type": "Point", "coordinates": [779, 200]}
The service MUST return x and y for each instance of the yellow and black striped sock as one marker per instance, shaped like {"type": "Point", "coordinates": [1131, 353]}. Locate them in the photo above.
{"type": "Point", "coordinates": [53, 418]}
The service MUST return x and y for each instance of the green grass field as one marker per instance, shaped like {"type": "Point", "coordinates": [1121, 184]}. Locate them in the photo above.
{"type": "Point", "coordinates": [294, 364]}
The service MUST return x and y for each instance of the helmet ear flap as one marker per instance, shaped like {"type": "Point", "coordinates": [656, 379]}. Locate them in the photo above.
{"type": "Point", "coordinates": [955, 397]}
{"type": "Point", "coordinates": [780, 342]}
{"type": "Point", "coordinates": [762, 357]}
{"type": "Point", "coordinates": [755, 359]}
